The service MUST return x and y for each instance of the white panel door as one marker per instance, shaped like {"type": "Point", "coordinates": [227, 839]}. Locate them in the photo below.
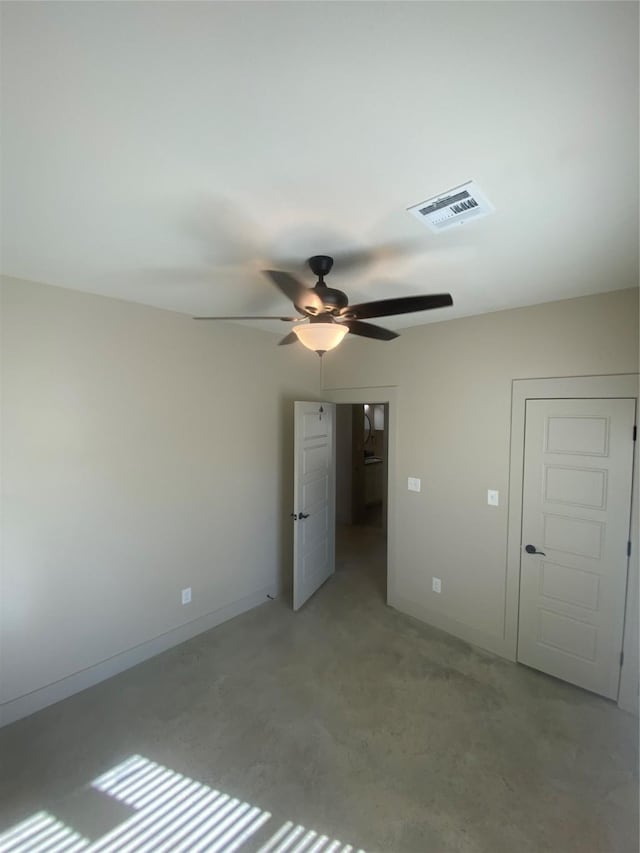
{"type": "Point", "coordinates": [576, 510]}
{"type": "Point", "coordinates": [313, 498]}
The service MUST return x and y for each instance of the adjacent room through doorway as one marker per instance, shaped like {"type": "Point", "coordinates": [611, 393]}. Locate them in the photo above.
{"type": "Point", "coordinates": [362, 441]}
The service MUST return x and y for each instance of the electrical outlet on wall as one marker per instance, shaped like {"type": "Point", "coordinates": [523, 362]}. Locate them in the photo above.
{"type": "Point", "coordinates": [413, 484]}
{"type": "Point", "coordinates": [436, 584]}
{"type": "Point", "coordinates": [186, 595]}
{"type": "Point", "coordinates": [493, 497]}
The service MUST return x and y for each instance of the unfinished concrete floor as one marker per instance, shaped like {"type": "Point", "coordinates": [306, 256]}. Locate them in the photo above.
{"type": "Point", "coordinates": [348, 719]}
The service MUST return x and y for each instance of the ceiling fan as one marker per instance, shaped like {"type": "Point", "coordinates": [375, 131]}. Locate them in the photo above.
{"type": "Point", "coordinates": [329, 315]}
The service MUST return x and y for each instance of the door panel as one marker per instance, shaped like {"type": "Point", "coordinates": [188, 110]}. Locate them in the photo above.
{"type": "Point", "coordinates": [578, 537]}
{"type": "Point", "coordinates": [576, 435]}
{"type": "Point", "coordinates": [573, 586]}
{"type": "Point", "coordinates": [576, 511]}
{"type": "Point", "coordinates": [314, 498]}
{"type": "Point", "coordinates": [576, 486]}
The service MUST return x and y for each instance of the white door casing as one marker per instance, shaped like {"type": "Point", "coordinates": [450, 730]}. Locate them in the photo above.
{"type": "Point", "coordinates": [576, 510]}
{"type": "Point", "coordinates": [313, 498]}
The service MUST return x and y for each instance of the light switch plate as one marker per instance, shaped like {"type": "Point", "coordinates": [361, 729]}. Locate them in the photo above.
{"type": "Point", "coordinates": [413, 484]}
{"type": "Point", "coordinates": [436, 584]}
{"type": "Point", "coordinates": [186, 595]}
{"type": "Point", "coordinates": [493, 497]}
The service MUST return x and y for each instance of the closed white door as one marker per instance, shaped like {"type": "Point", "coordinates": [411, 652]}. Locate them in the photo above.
{"type": "Point", "coordinates": [575, 529]}
{"type": "Point", "coordinates": [313, 498]}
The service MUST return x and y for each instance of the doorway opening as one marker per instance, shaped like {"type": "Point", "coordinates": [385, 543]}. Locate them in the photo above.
{"type": "Point", "coordinates": [362, 457]}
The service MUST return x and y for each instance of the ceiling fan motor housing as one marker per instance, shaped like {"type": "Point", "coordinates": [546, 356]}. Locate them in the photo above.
{"type": "Point", "coordinates": [332, 299]}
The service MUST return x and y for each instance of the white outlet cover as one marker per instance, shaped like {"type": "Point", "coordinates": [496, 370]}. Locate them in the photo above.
{"type": "Point", "coordinates": [186, 595]}
{"type": "Point", "coordinates": [436, 584]}
{"type": "Point", "coordinates": [413, 484]}
{"type": "Point", "coordinates": [493, 497]}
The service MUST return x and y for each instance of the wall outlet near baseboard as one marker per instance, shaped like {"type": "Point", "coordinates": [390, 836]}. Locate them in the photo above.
{"type": "Point", "coordinates": [186, 595]}
{"type": "Point", "coordinates": [436, 584]}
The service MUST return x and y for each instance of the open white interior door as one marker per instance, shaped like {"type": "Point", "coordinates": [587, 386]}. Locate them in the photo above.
{"type": "Point", "coordinates": [314, 498]}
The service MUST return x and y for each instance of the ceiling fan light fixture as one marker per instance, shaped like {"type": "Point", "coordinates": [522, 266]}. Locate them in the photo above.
{"type": "Point", "coordinates": [320, 337]}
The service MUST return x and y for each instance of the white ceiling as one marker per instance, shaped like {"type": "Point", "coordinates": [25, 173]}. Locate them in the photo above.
{"type": "Point", "coordinates": [164, 152]}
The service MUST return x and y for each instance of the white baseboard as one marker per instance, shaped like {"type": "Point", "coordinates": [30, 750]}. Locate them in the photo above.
{"type": "Point", "coordinates": [628, 701]}
{"type": "Point", "coordinates": [491, 643]}
{"type": "Point", "coordinates": [28, 704]}
{"type": "Point", "coordinates": [630, 704]}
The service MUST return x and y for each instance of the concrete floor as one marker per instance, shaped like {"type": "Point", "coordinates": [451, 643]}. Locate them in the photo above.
{"type": "Point", "coordinates": [346, 718]}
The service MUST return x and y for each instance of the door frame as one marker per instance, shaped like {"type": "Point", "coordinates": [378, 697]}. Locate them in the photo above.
{"type": "Point", "coordinates": [618, 385]}
{"type": "Point", "coordinates": [379, 394]}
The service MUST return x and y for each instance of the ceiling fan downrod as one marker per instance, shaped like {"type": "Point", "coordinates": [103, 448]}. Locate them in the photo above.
{"type": "Point", "coordinates": [333, 300]}
{"type": "Point", "coordinates": [320, 266]}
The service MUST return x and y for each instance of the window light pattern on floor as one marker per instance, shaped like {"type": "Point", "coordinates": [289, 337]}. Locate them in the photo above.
{"type": "Point", "coordinates": [172, 814]}
{"type": "Point", "coordinates": [42, 832]}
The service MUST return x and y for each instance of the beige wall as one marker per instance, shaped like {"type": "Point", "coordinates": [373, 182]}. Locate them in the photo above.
{"type": "Point", "coordinates": [453, 431]}
{"type": "Point", "coordinates": [142, 453]}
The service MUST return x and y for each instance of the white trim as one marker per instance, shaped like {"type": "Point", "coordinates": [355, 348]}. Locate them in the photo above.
{"type": "Point", "coordinates": [380, 394]}
{"type": "Point", "coordinates": [615, 385]}
{"type": "Point", "coordinates": [455, 628]}
{"type": "Point", "coordinates": [28, 704]}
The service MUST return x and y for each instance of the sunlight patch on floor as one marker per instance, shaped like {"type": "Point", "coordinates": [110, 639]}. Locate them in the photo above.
{"type": "Point", "coordinates": [42, 832]}
{"type": "Point", "coordinates": [172, 814]}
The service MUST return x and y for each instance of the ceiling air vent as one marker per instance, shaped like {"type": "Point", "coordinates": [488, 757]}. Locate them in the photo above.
{"type": "Point", "coordinates": [453, 207]}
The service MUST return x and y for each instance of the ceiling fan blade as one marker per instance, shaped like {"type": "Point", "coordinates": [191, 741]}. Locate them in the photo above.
{"type": "Point", "coordinates": [302, 297]}
{"type": "Point", "coordinates": [291, 338]}
{"type": "Point", "coordinates": [284, 319]}
{"type": "Point", "coordinates": [368, 330]}
{"type": "Point", "coordinates": [348, 259]}
{"type": "Point", "coordinates": [355, 258]}
{"type": "Point", "coordinates": [399, 305]}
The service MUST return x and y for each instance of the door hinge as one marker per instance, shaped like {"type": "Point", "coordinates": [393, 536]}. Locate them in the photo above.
{"type": "Point", "coordinates": [629, 548]}
{"type": "Point", "coordinates": [635, 433]}
{"type": "Point", "coordinates": [621, 658]}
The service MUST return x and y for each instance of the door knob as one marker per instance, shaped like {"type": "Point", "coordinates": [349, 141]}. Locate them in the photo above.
{"type": "Point", "coordinates": [531, 549]}
{"type": "Point", "coordinates": [303, 515]}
